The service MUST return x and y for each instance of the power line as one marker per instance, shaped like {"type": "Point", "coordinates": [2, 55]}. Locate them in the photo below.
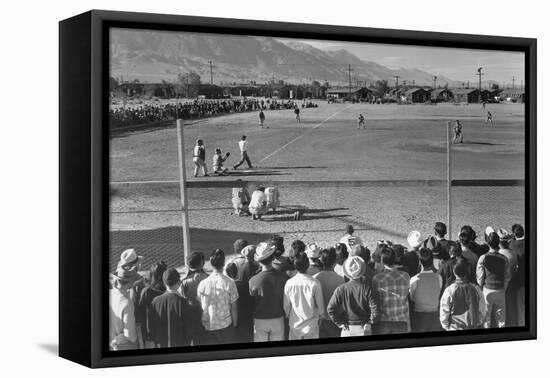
{"type": "Point", "coordinates": [479, 73]}
{"type": "Point", "coordinates": [397, 80]}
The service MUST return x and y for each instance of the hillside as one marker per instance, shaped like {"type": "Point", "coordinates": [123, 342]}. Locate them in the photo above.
{"type": "Point", "coordinates": [155, 56]}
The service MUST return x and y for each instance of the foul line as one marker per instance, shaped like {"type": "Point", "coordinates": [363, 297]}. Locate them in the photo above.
{"type": "Point", "coordinates": [300, 136]}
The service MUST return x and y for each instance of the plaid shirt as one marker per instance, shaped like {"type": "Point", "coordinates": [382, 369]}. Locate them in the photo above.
{"type": "Point", "coordinates": [392, 287]}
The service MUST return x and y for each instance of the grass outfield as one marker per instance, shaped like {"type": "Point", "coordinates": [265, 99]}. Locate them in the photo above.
{"type": "Point", "coordinates": [401, 142]}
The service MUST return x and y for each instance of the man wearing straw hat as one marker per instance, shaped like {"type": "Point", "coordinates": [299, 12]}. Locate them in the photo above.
{"type": "Point", "coordinates": [267, 292]}
{"type": "Point", "coordinates": [122, 321]}
{"type": "Point", "coordinates": [354, 307]}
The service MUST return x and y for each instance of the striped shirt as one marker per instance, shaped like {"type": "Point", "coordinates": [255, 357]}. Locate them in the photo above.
{"type": "Point", "coordinates": [392, 288]}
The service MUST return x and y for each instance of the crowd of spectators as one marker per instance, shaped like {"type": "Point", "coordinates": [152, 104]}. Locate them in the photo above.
{"type": "Point", "coordinates": [195, 109]}
{"type": "Point", "coordinates": [271, 293]}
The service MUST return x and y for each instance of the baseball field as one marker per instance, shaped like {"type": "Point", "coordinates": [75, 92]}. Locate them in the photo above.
{"type": "Point", "coordinates": [386, 179]}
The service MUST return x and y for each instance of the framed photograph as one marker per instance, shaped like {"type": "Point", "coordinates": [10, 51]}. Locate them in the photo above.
{"type": "Point", "coordinates": [235, 188]}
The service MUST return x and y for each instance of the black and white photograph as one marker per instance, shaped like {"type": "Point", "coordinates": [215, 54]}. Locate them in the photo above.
{"type": "Point", "coordinates": [266, 189]}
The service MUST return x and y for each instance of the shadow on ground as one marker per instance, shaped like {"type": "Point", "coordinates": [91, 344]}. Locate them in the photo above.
{"type": "Point", "coordinates": [51, 348]}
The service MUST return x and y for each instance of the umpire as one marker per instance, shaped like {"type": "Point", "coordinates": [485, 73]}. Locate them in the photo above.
{"type": "Point", "coordinates": [243, 146]}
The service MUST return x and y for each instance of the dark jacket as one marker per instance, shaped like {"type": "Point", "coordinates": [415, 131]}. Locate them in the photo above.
{"type": "Point", "coordinates": [144, 306]}
{"type": "Point", "coordinates": [448, 276]}
{"type": "Point", "coordinates": [171, 321]}
{"type": "Point", "coordinates": [353, 303]}
{"type": "Point", "coordinates": [411, 262]}
{"type": "Point", "coordinates": [518, 247]}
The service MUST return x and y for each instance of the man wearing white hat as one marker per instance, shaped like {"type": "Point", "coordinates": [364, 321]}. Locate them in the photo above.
{"type": "Point", "coordinates": [313, 252]}
{"type": "Point", "coordinates": [267, 292]}
{"type": "Point", "coordinates": [122, 321]}
{"type": "Point", "coordinates": [410, 259]}
{"type": "Point", "coordinates": [353, 307]}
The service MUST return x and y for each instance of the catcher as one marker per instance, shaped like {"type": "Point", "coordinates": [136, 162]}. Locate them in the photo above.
{"type": "Point", "coordinates": [217, 162]}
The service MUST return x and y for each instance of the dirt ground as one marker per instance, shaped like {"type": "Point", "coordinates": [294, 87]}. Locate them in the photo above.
{"type": "Point", "coordinates": [401, 142]}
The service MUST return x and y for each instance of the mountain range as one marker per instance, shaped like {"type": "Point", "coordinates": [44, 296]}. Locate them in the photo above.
{"type": "Point", "coordinates": [152, 56]}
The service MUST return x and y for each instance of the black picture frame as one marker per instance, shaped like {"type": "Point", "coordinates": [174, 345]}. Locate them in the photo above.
{"type": "Point", "coordinates": [84, 185]}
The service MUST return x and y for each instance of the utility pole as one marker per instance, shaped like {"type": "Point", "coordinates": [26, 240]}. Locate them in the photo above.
{"type": "Point", "coordinates": [396, 80]}
{"type": "Point", "coordinates": [211, 81]}
{"type": "Point", "coordinates": [513, 82]}
{"type": "Point", "coordinates": [349, 73]}
{"type": "Point", "coordinates": [435, 82]}
{"type": "Point", "coordinates": [479, 73]}
{"type": "Point", "coordinates": [187, 76]}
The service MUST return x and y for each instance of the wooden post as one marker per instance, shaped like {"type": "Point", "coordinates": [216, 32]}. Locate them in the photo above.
{"type": "Point", "coordinates": [449, 180]}
{"type": "Point", "coordinates": [183, 192]}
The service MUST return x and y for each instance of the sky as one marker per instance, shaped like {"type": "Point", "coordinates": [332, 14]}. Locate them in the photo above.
{"type": "Point", "coordinates": [456, 64]}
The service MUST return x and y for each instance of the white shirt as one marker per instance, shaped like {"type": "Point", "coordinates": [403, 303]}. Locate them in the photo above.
{"type": "Point", "coordinates": [303, 303]}
{"type": "Point", "coordinates": [258, 199]}
{"type": "Point", "coordinates": [243, 145]}
{"type": "Point", "coordinates": [350, 241]}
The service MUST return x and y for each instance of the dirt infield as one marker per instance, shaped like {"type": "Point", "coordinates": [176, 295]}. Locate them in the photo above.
{"type": "Point", "coordinates": [401, 142]}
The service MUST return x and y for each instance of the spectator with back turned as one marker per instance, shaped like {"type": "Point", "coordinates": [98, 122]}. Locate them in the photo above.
{"type": "Point", "coordinates": [303, 302]}
{"type": "Point", "coordinates": [424, 291]}
{"type": "Point", "coordinates": [517, 245]}
{"type": "Point", "coordinates": [267, 292]}
{"type": "Point", "coordinates": [170, 317]}
{"type": "Point", "coordinates": [329, 280]}
{"type": "Point", "coordinates": [354, 306]}
{"type": "Point", "coordinates": [462, 304]}
{"type": "Point", "coordinates": [392, 288]}
{"type": "Point", "coordinates": [493, 275]}
{"type": "Point", "coordinates": [218, 296]}
{"type": "Point", "coordinates": [151, 291]}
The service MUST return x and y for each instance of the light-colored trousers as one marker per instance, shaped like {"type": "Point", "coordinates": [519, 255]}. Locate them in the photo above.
{"type": "Point", "coordinates": [496, 308]}
{"type": "Point", "coordinates": [199, 163]}
{"type": "Point", "coordinates": [269, 329]}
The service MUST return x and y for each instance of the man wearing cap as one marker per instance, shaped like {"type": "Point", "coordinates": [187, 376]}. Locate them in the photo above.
{"type": "Point", "coordinates": [267, 292]}
{"type": "Point", "coordinates": [170, 319]}
{"type": "Point", "coordinates": [354, 305]}
{"type": "Point", "coordinates": [243, 147]}
{"type": "Point", "coordinates": [446, 270]}
{"type": "Point", "coordinates": [493, 275]}
{"type": "Point", "coordinates": [424, 292]}
{"type": "Point", "coordinates": [122, 321]}
{"type": "Point", "coordinates": [392, 289]}
{"type": "Point", "coordinates": [349, 239]}
{"type": "Point", "coordinates": [303, 302]}
{"type": "Point", "coordinates": [218, 296]}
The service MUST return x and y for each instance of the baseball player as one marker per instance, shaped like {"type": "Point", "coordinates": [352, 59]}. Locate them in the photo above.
{"type": "Point", "coordinates": [297, 112]}
{"type": "Point", "coordinates": [489, 118]}
{"type": "Point", "coordinates": [458, 132]}
{"type": "Point", "coordinates": [243, 146]}
{"type": "Point", "coordinates": [217, 162]}
{"type": "Point", "coordinates": [361, 122]}
{"type": "Point", "coordinates": [262, 119]}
